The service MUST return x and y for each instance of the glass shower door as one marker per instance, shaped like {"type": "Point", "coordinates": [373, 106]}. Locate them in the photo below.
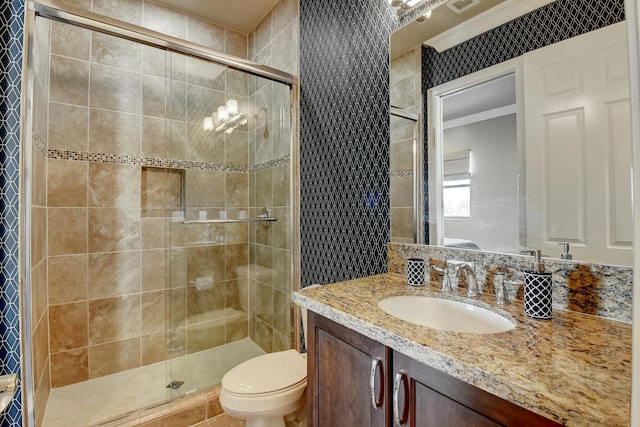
{"type": "Point", "coordinates": [227, 223]}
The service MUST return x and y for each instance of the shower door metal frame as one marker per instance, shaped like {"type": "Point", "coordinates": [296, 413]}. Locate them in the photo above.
{"type": "Point", "coordinates": [53, 10]}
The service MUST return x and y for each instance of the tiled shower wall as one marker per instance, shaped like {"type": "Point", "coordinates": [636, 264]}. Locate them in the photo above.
{"type": "Point", "coordinates": [274, 42]}
{"type": "Point", "coordinates": [404, 92]}
{"type": "Point", "coordinates": [115, 156]}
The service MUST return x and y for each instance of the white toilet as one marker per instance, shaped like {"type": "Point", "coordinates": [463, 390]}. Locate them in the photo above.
{"type": "Point", "coordinates": [268, 389]}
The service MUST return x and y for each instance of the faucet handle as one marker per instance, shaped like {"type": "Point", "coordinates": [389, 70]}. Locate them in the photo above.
{"type": "Point", "coordinates": [446, 283]}
{"type": "Point", "coordinates": [500, 290]}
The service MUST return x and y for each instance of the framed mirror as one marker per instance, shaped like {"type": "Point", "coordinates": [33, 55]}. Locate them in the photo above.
{"type": "Point", "coordinates": [548, 168]}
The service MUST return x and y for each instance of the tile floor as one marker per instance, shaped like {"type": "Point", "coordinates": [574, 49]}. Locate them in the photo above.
{"type": "Point", "coordinates": [93, 401]}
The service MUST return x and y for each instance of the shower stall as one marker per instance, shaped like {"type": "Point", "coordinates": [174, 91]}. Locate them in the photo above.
{"type": "Point", "coordinates": [158, 216]}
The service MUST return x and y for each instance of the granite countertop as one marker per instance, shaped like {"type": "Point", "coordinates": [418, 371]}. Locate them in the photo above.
{"type": "Point", "coordinates": [574, 369]}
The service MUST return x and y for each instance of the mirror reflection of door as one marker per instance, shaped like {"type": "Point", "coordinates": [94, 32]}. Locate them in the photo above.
{"type": "Point", "coordinates": [480, 187]}
{"type": "Point", "coordinates": [578, 139]}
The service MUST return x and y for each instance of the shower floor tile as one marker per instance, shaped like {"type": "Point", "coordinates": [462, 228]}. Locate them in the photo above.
{"type": "Point", "coordinates": [90, 402]}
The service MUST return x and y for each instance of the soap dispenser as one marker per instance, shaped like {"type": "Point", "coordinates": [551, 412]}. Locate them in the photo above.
{"type": "Point", "coordinates": [537, 289]}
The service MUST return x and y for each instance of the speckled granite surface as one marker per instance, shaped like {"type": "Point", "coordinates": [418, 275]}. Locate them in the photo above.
{"type": "Point", "coordinates": [597, 289]}
{"type": "Point", "coordinates": [575, 368]}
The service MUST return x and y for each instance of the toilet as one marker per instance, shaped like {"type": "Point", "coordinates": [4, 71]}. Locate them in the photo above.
{"type": "Point", "coordinates": [268, 390]}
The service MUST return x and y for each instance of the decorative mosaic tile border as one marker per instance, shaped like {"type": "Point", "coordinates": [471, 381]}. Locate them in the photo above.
{"type": "Point", "coordinates": [597, 289]}
{"type": "Point", "coordinates": [401, 174]}
{"type": "Point", "coordinates": [122, 159]}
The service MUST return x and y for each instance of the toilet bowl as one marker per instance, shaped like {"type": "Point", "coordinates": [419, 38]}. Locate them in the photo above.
{"type": "Point", "coordinates": [269, 389]}
{"type": "Point", "coordinates": [265, 389]}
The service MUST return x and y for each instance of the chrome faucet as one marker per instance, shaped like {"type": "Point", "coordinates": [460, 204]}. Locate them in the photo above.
{"type": "Point", "coordinates": [472, 283]}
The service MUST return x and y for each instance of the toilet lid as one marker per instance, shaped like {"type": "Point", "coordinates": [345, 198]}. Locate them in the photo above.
{"type": "Point", "coordinates": [267, 373]}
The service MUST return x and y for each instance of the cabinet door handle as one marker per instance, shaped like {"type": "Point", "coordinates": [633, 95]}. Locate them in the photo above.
{"type": "Point", "coordinates": [376, 365]}
{"type": "Point", "coordinates": [401, 377]}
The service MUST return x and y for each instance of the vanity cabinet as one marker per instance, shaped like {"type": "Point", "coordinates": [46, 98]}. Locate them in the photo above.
{"type": "Point", "coordinates": [356, 381]}
{"type": "Point", "coordinates": [346, 376]}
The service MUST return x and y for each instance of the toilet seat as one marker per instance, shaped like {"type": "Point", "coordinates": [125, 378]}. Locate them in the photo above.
{"type": "Point", "coordinates": [267, 374]}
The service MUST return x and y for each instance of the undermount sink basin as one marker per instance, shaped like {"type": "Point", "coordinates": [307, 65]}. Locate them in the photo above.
{"type": "Point", "coordinates": [445, 314]}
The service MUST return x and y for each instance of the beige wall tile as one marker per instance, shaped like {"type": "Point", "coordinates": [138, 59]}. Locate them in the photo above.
{"type": "Point", "coordinates": [114, 185]}
{"type": "Point", "coordinates": [68, 127]}
{"type": "Point", "coordinates": [38, 292]}
{"type": "Point", "coordinates": [39, 235]}
{"type": "Point", "coordinates": [61, 34]}
{"type": "Point", "coordinates": [40, 351]}
{"type": "Point", "coordinates": [114, 229]}
{"type": "Point", "coordinates": [161, 191]}
{"type": "Point", "coordinates": [69, 81]}
{"type": "Point", "coordinates": [153, 96]}
{"type": "Point", "coordinates": [237, 149]}
{"type": "Point", "coordinates": [237, 83]}
{"type": "Point", "coordinates": [205, 303]}
{"type": "Point", "coordinates": [402, 223]}
{"type": "Point", "coordinates": [205, 188]}
{"type": "Point", "coordinates": [237, 190]}
{"type": "Point", "coordinates": [114, 357]}
{"type": "Point", "coordinates": [237, 328]}
{"type": "Point", "coordinates": [68, 326]}
{"type": "Point", "coordinates": [153, 266]}
{"type": "Point", "coordinates": [153, 348]}
{"type": "Point", "coordinates": [165, 20]}
{"type": "Point", "coordinates": [205, 335]}
{"type": "Point", "coordinates": [67, 279]}
{"type": "Point", "coordinates": [264, 188]}
{"type": "Point", "coordinates": [263, 336]}
{"type": "Point", "coordinates": [237, 294]}
{"type": "Point", "coordinates": [205, 261]}
{"type": "Point", "coordinates": [205, 33]}
{"type": "Point", "coordinates": [402, 192]}
{"type": "Point", "coordinates": [153, 233]}
{"type": "Point", "coordinates": [280, 312]}
{"type": "Point", "coordinates": [178, 259]}
{"type": "Point", "coordinates": [264, 303]}
{"type": "Point", "coordinates": [177, 98]}
{"type": "Point", "coordinates": [186, 417]}
{"type": "Point", "coordinates": [42, 392]}
{"type": "Point", "coordinates": [177, 308]}
{"type": "Point", "coordinates": [235, 43]}
{"type": "Point", "coordinates": [113, 132]}
{"type": "Point", "coordinates": [155, 61]}
{"type": "Point", "coordinates": [69, 367]}
{"type": "Point", "coordinates": [280, 184]}
{"type": "Point", "coordinates": [280, 342]}
{"type": "Point", "coordinates": [116, 52]}
{"type": "Point", "coordinates": [67, 231]}
{"type": "Point", "coordinates": [284, 12]}
{"type": "Point", "coordinates": [154, 142]}
{"type": "Point", "coordinates": [113, 319]}
{"type": "Point", "coordinates": [39, 178]}
{"type": "Point", "coordinates": [285, 48]}
{"type": "Point", "coordinates": [115, 89]}
{"type": "Point", "coordinates": [264, 264]}
{"type": "Point", "coordinates": [114, 274]}
{"type": "Point", "coordinates": [66, 183]}
{"type": "Point", "coordinates": [153, 312]}
{"type": "Point", "coordinates": [206, 74]}
{"type": "Point", "coordinates": [204, 146]}
{"type": "Point", "coordinates": [237, 260]}
{"type": "Point", "coordinates": [124, 10]}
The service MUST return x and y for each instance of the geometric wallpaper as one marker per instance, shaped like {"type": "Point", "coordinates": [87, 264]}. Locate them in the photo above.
{"type": "Point", "coordinates": [11, 36]}
{"type": "Point", "coordinates": [344, 138]}
{"type": "Point", "coordinates": [557, 21]}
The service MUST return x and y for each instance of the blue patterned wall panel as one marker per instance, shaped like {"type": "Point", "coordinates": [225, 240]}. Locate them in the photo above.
{"type": "Point", "coordinates": [344, 138]}
{"type": "Point", "coordinates": [550, 24]}
{"type": "Point", "coordinates": [11, 33]}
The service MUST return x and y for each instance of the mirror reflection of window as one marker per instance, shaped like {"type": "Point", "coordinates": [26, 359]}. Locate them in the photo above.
{"type": "Point", "coordinates": [456, 184]}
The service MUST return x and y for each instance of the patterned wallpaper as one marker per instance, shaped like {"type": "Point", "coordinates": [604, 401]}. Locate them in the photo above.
{"type": "Point", "coordinates": [344, 138]}
{"type": "Point", "coordinates": [11, 34]}
{"type": "Point", "coordinates": [550, 24]}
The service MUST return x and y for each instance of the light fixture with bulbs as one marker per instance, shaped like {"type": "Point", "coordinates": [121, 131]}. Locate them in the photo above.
{"type": "Point", "coordinates": [404, 5]}
{"type": "Point", "coordinates": [225, 119]}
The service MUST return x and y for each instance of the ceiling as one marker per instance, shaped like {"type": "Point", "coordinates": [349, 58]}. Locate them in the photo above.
{"type": "Point", "coordinates": [442, 19]}
{"type": "Point", "coordinates": [239, 15]}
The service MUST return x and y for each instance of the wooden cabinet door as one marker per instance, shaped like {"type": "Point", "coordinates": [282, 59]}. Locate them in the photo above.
{"type": "Point", "coordinates": [430, 398]}
{"type": "Point", "coordinates": [341, 364]}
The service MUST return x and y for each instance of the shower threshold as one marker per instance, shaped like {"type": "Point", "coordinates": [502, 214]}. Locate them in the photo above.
{"type": "Point", "coordinates": [92, 402]}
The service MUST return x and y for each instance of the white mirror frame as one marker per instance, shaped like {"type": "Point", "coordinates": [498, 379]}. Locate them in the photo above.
{"type": "Point", "coordinates": [633, 27]}
{"type": "Point", "coordinates": [435, 137]}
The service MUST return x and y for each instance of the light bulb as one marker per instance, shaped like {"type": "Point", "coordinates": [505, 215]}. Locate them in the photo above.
{"type": "Point", "coordinates": [207, 124]}
{"type": "Point", "coordinates": [223, 114]}
{"type": "Point", "coordinates": [232, 107]}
